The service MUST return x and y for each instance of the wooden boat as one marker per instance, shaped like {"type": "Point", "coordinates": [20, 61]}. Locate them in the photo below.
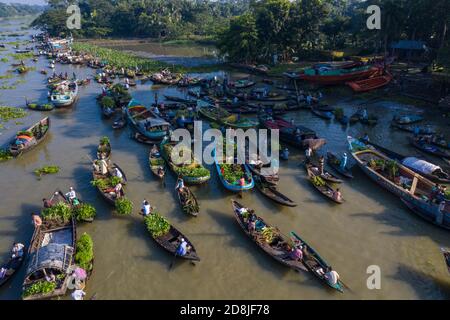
{"type": "Point", "coordinates": [172, 239]}
{"type": "Point", "coordinates": [11, 267]}
{"type": "Point", "coordinates": [413, 129]}
{"type": "Point", "coordinates": [322, 114]}
{"type": "Point", "coordinates": [337, 76]}
{"type": "Point", "coordinates": [242, 123]}
{"type": "Point", "coordinates": [234, 186]}
{"type": "Point", "coordinates": [180, 100]}
{"type": "Point", "coordinates": [446, 253]}
{"type": "Point", "coordinates": [272, 193]}
{"type": "Point", "coordinates": [334, 162]}
{"type": "Point", "coordinates": [52, 251]}
{"type": "Point", "coordinates": [119, 123]}
{"type": "Point", "coordinates": [65, 94]}
{"type": "Point", "coordinates": [243, 84]}
{"type": "Point", "coordinates": [407, 119]}
{"type": "Point", "coordinates": [271, 179]}
{"type": "Point", "coordinates": [166, 148]}
{"type": "Point", "coordinates": [104, 151]}
{"type": "Point", "coordinates": [435, 176]}
{"type": "Point", "coordinates": [429, 148]}
{"type": "Point", "coordinates": [277, 248]}
{"type": "Point", "coordinates": [40, 107]}
{"type": "Point", "coordinates": [327, 176]}
{"type": "Point", "coordinates": [30, 138]}
{"type": "Point", "coordinates": [415, 189]}
{"type": "Point", "coordinates": [215, 114]}
{"type": "Point", "coordinates": [109, 197]}
{"type": "Point", "coordinates": [188, 202]}
{"type": "Point", "coordinates": [157, 162]}
{"type": "Point", "coordinates": [145, 122]}
{"type": "Point", "coordinates": [315, 262]}
{"type": "Point", "coordinates": [324, 189]}
{"type": "Point", "coordinates": [370, 84]}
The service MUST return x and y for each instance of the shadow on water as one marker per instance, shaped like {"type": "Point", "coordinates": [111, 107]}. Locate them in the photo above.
{"type": "Point", "coordinates": [426, 286]}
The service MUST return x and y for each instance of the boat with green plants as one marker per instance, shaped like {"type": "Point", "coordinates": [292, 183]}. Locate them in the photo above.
{"type": "Point", "coordinates": [188, 201]}
{"type": "Point", "coordinates": [157, 163]}
{"type": "Point", "coordinates": [335, 163]}
{"type": "Point", "coordinates": [191, 171]}
{"type": "Point", "coordinates": [266, 237]}
{"type": "Point", "coordinates": [323, 187]}
{"type": "Point", "coordinates": [40, 107]}
{"type": "Point", "coordinates": [234, 177]}
{"type": "Point", "coordinates": [168, 237]}
{"type": "Point", "coordinates": [51, 253]}
{"type": "Point", "coordinates": [413, 189]}
{"type": "Point", "coordinates": [104, 149]}
{"type": "Point", "coordinates": [28, 139]}
{"type": "Point", "coordinates": [106, 183]}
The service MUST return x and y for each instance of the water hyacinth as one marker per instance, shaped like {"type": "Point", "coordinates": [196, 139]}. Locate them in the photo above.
{"type": "Point", "coordinates": [10, 113]}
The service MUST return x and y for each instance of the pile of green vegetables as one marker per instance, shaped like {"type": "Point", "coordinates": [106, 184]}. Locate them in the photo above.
{"type": "Point", "coordinates": [46, 170]}
{"type": "Point", "coordinates": [39, 287]}
{"type": "Point", "coordinates": [60, 212]}
{"type": "Point", "coordinates": [157, 225]}
{"type": "Point", "coordinates": [106, 183]}
{"type": "Point", "coordinates": [84, 256]}
{"type": "Point", "coordinates": [84, 212]}
{"type": "Point", "coordinates": [194, 170]}
{"type": "Point", "coordinates": [46, 106]}
{"type": "Point", "coordinates": [232, 172]}
{"type": "Point", "coordinates": [318, 181]}
{"type": "Point", "coordinates": [124, 206]}
{"type": "Point", "coordinates": [107, 102]}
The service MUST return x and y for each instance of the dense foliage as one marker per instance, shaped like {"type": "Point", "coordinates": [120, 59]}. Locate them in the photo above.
{"type": "Point", "coordinates": [144, 18]}
{"type": "Point", "coordinates": [85, 252]}
{"type": "Point", "coordinates": [124, 206]}
{"type": "Point", "coordinates": [17, 9]}
{"type": "Point", "coordinates": [46, 170]}
{"type": "Point", "coordinates": [84, 212]}
{"type": "Point", "coordinates": [59, 212]}
{"type": "Point", "coordinates": [157, 225]}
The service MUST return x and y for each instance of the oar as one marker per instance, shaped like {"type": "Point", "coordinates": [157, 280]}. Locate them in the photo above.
{"type": "Point", "coordinates": [346, 286]}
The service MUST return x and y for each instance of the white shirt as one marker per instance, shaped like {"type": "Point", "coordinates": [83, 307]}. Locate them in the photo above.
{"type": "Point", "coordinates": [146, 209]}
{"type": "Point", "coordinates": [119, 174]}
{"type": "Point", "coordinates": [71, 194]}
{"type": "Point", "coordinates": [78, 295]}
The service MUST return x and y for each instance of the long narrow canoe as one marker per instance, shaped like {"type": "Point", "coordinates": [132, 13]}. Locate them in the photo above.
{"type": "Point", "coordinates": [12, 266]}
{"type": "Point", "coordinates": [277, 248]}
{"type": "Point", "coordinates": [272, 193]}
{"type": "Point", "coordinates": [157, 162]}
{"type": "Point", "coordinates": [334, 162]}
{"type": "Point", "coordinates": [188, 201]}
{"type": "Point", "coordinates": [446, 253]}
{"type": "Point", "coordinates": [172, 239]}
{"type": "Point", "coordinates": [327, 176]}
{"type": "Point", "coordinates": [109, 197]}
{"type": "Point", "coordinates": [325, 189]}
{"type": "Point", "coordinates": [429, 148]}
{"type": "Point", "coordinates": [30, 138]}
{"type": "Point", "coordinates": [271, 179]}
{"type": "Point", "coordinates": [328, 115]}
{"type": "Point", "coordinates": [314, 262]}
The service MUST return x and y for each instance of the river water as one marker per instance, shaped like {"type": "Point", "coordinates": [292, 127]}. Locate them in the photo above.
{"type": "Point", "coordinates": [371, 228]}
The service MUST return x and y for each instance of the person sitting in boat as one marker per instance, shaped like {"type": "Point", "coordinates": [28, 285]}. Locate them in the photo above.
{"type": "Point", "coordinates": [118, 173]}
{"type": "Point", "coordinates": [309, 99]}
{"type": "Point", "coordinates": [154, 151]}
{"type": "Point", "coordinates": [344, 160]}
{"type": "Point", "coordinates": [146, 208]}
{"type": "Point", "coordinates": [78, 294]}
{"type": "Point", "coordinates": [331, 276]}
{"type": "Point", "coordinates": [156, 111]}
{"type": "Point", "coordinates": [364, 114]}
{"type": "Point", "coordinates": [296, 254]}
{"type": "Point", "coordinates": [180, 185]}
{"type": "Point", "coordinates": [251, 225]}
{"type": "Point", "coordinates": [71, 195]}
{"type": "Point", "coordinates": [117, 190]}
{"type": "Point", "coordinates": [47, 203]}
{"type": "Point", "coordinates": [160, 171]}
{"type": "Point", "coordinates": [36, 220]}
{"type": "Point", "coordinates": [17, 250]}
{"type": "Point", "coordinates": [337, 195]}
{"type": "Point", "coordinates": [102, 166]}
{"type": "Point", "coordinates": [441, 194]}
{"type": "Point", "coordinates": [285, 154]}
{"type": "Point", "coordinates": [321, 165]}
{"type": "Point", "coordinates": [308, 154]}
{"type": "Point", "coordinates": [182, 249]}
{"type": "Point", "coordinates": [365, 138]}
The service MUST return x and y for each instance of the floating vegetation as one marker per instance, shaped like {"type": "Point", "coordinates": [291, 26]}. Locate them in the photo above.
{"type": "Point", "coordinates": [5, 155]}
{"type": "Point", "coordinates": [19, 123]}
{"type": "Point", "coordinates": [6, 76]}
{"type": "Point", "coordinates": [5, 87]}
{"type": "Point", "coordinates": [124, 206]}
{"type": "Point", "coordinates": [10, 113]}
{"type": "Point", "coordinates": [24, 69]}
{"type": "Point", "coordinates": [119, 59]}
{"type": "Point", "coordinates": [22, 56]}
{"type": "Point", "coordinates": [4, 59]}
{"type": "Point", "coordinates": [46, 170]}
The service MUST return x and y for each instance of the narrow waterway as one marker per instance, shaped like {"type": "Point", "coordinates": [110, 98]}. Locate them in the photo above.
{"type": "Point", "coordinates": [371, 228]}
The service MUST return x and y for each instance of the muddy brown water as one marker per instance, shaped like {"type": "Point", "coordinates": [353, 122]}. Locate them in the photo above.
{"type": "Point", "coordinates": [371, 228]}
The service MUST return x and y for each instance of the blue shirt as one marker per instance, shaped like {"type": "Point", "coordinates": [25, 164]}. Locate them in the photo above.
{"type": "Point", "coordinates": [182, 249]}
